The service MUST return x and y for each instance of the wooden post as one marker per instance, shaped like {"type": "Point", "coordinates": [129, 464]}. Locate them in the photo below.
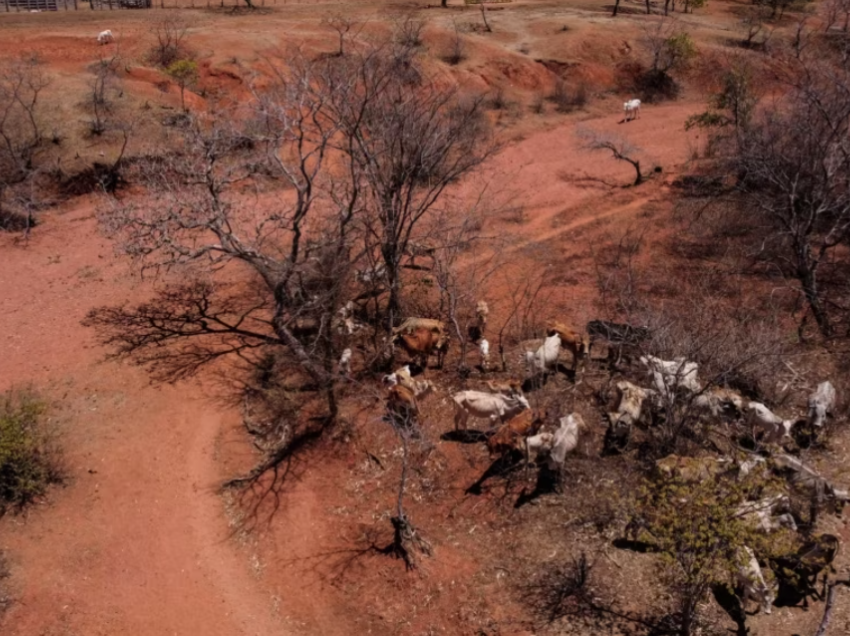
{"type": "Point", "coordinates": [76, 8]}
{"type": "Point", "coordinates": [6, 2]}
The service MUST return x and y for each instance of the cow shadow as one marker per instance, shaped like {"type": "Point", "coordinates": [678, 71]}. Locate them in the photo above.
{"type": "Point", "coordinates": [641, 547]}
{"type": "Point", "coordinates": [465, 436]}
{"type": "Point", "coordinates": [731, 604]}
{"type": "Point", "coordinates": [501, 467]}
{"type": "Point", "coordinates": [548, 482]}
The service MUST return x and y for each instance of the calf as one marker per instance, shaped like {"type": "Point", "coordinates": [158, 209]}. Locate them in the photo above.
{"type": "Point", "coordinates": [566, 439]}
{"type": "Point", "coordinates": [669, 375]}
{"type": "Point", "coordinates": [491, 406]}
{"type": "Point", "coordinates": [105, 37]}
{"type": "Point", "coordinates": [631, 403]}
{"type": "Point", "coordinates": [511, 435]}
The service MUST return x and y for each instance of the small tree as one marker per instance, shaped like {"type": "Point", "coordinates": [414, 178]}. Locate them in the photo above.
{"type": "Point", "coordinates": [342, 25]}
{"type": "Point", "coordinates": [103, 86]}
{"type": "Point", "coordinates": [700, 536]}
{"type": "Point", "coordinates": [184, 72]}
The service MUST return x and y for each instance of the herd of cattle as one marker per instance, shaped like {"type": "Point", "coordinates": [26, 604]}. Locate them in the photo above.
{"type": "Point", "coordinates": [517, 430]}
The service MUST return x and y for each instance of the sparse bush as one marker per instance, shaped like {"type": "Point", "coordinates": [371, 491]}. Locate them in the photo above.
{"type": "Point", "coordinates": [669, 50]}
{"type": "Point", "coordinates": [565, 99]}
{"type": "Point", "coordinates": [169, 35]}
{"type": "Point", "coordinates": [409, 31]}
{"type": "Point", "coordinates": [457, 52]}
{"type": "Point", "coordinates": [28, 455]}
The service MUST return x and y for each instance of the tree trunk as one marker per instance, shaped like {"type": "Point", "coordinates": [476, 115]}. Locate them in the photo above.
{"type": "Point", "coordinates": [666, 6]}
{"type": "Point", "coordinates": [616, 8]}
{"type": "Point", "coordinates": [807, 275]}
{"type": "Point", "coordinates": [444, 3]}
{"type": "Point", "coordinates": [648, 9]}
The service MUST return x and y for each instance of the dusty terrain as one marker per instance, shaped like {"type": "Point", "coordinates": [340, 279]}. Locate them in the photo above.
{"type": "Point", "coordinates": [140, 540]}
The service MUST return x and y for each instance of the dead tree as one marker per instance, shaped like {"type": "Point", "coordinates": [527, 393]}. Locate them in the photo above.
{"type": "Point", "coordinates": [617, 146]}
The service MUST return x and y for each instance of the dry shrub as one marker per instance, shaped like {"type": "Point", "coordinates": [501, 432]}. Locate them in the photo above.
{"type": "Point", "coordinates": [169, 45]}
{"type": "Point", "coordinates": [566, 98]}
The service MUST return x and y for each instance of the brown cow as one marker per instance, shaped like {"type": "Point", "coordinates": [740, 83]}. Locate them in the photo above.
{"type": "Point", "coordinates": [402, 406]}
{"type": "Point", "coordinates": [423, 343]}
{"type": "Point", "coordinates": [577, 343]}
{"type": "Point", "coordinates": [506, 387]}
{"type": "Point", "coordinates": [511, 435]}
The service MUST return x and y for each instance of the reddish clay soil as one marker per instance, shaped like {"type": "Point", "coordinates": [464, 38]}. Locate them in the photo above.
{"type": "Point", "coordinates": [140, 540]}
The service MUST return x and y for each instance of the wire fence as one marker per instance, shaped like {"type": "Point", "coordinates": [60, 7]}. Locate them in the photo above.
{"type": "Point", "coordinates": [35, 6]}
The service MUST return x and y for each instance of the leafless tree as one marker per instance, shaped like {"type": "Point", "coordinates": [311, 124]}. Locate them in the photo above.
{"type": "Point", "coordinates": [408, 30]}
{"type": "Point", "coordinates": [169, 46]}
{"type": "Point", "coordinates": [792, 166]}
{"type": "Point", "coordinates": [342, 25]}
{"type": "Point", "coordinates": [405, 138]}
{"type": "Point", "coordinates": [621, 149]}
{"type": "Point", "coordinates": [103, 87]}
{"type": "Point", "coordinates": [22, 81]}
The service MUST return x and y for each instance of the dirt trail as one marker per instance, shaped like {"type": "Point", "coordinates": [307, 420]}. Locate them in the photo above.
{"type": "Point", "coordinates": [138, 542]}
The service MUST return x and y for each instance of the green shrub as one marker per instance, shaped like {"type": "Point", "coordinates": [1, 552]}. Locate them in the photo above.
{"type": "Point", "coordinates": [28, 455]}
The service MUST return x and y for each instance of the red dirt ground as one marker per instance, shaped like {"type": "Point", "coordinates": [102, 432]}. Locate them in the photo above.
{"type": "Point", "coordinates": [140, 541]}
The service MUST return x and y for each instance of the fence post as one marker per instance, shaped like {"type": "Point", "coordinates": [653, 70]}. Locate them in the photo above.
{"type": "Point", "coordinates": [6, 2]}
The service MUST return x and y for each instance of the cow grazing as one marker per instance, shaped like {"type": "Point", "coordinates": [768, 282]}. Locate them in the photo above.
{"type": "Point", "coordinates": [578, 344]}
{"type": "Point", "coordinates": [539, 445]}
{"type": "Point", "coordinates": [821, 403]}
{"type": "Point", "coordinates": [769, 514]}
{"type": "Point", "coordinates": [566, 440]}
{"type": "Point", "coordinates": [423, 343]}
{"type": "Point", "coordinates": [511, 435]}
{"type": "Point", "coordinates": [402, 406]}
{"type": "Point", "coordinates": [670, 375]}
{"type": "Point", "coordinates": [491, 406]}
{"type": "Point", "coordinates": [809, 482]}
{"type": "Point", "coordinates": [631, 403]}
{"type": "Point", "coordinates": [749, 577]}
{"type": "Point", "coordinates": [774, 428]}
{"type": "Point", "coordinates": [402, 376]}
{"type": "Point", "coordinates": [545, 359]}
{"type": "Point", "coordinates": [105, 37]}
{"type": "Point", "coordinates": [720, 401]}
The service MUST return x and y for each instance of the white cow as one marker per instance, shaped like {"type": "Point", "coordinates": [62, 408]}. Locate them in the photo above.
{"type": "Point", "coordinates": [566, 439]}
{"type": "Point", "coordinates": [545, 358]}
{"type": "Point", "coordinates": [768, 514]}
{"type": "Point", "coordinates": [484, 350]}
{"type": "Point", "coordinates": [631, 109]}
{"type": "Point", "coordinates": [104, 37]}
{"type": "Point", "coordinates": [631, 403]}
{"type": "Point", "coordinates": [774, 427]}
{"type": "Point", "coordinates": [821, 403]}
{"type": "Point", "coordinates": [401, 376]}
{"type": "Point", "coordinates": [493, 406]}
{"type": "Point", "coordinates": [718, 401]}
{"type": "Point", "coordinates": [750, 577]}
{"type": "Point", "coordinates": [668, 375]}
{"type": "Point", "coordinates": [345, 362]}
